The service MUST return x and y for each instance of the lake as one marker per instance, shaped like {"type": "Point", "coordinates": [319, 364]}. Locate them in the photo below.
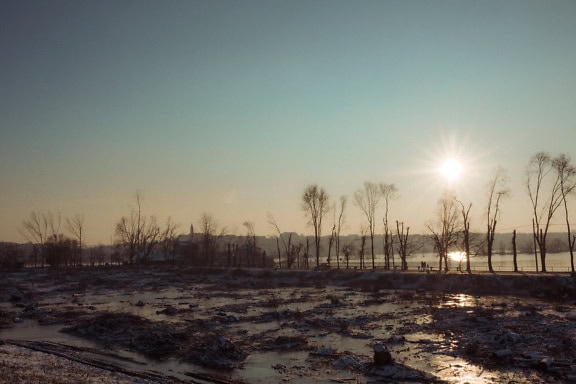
{"type": "Point", "coordinates": [555, 262]}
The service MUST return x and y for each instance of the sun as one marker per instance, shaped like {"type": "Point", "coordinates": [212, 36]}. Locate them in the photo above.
{"type": "Point", "coordinates": [451, 169]}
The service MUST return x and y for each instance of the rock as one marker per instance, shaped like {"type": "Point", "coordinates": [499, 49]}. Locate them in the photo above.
{"type": "Point", "coordinates": [324, 351]}
{"type": "Point", "coordinates": [168, 311]}
{"type": "Point", "coordinates": [545, 364]}
{"type": "Point", "coordinates": [396, 339]}
{"type": "Point", "coordinates": [382, 355]}
{"type": "Point", "coordinates": [349, 362]}
{"type": "Point", "coordinates": [502, 354]}
{"type": "Point", "coordinates": [140, 303]}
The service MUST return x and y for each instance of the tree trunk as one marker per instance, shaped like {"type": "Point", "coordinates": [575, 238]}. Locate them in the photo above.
{"type": "Point", "coordinates": [489, 250]}
{"type": "Point", "coordinates": [514, 251]}
{"type": "Point", "coordinates": [542, 244]}
{"type": "Point", "coordinates": [572, 252]}
{"type": "Point", "coordinates": [372, 249]}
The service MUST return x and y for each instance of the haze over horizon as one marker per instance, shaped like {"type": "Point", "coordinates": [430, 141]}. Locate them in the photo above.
{"type": "Point", "coordinates": [233, 108]}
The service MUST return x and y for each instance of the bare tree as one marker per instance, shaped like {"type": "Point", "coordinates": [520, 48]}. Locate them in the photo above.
{"type": "Point", "coordinates": [445, 231]}
{"type": "Point", "coordinates": [514, 252]}
{"type": "Point", "coordinates": [59, 250]}
{"type": "Point", "coordinates": [361, 252]}
{"type": "Point", "coordinates": [389, 192]}
{"type": "Point", "coordinates": [347, 250]}
{"type": "Point", "coordinates": [136, 234]}
{"type": "Point", "coordinates": [210, 232]}
{"type": "Point", "coordinates": [403, 242]}
{"type": "Point", "coordinates": [465, 211]}
{"type": "Point", "coordinates": [367, 200]}
{"type": "Point", "coordinates": [39, 228]}
{"type": "Point", "coordinates": [543, 207]}
{"type": "Point", "coordinates": [331, 241]}
{"type": "Point", "coordinates": [286, 244]}
{"type": "Point", "coordinates": [315, 204]}
{"type": "Point", "coordinates": [54, 224]}
{"type": "Point", "coordinates": [497, 189]}
{"type": "Point", "coordinates": [566, 174]}
{"type": "Point", "coordinates": [35, 230]}
{"type": "Point", "coordinates": [75, 226]}
{"type": "Point", "coordinates": [250, 239]}
{"type": "Point", "coordinates": [340, 222]}
{"type": "Point", "coordinates": [167, 240]}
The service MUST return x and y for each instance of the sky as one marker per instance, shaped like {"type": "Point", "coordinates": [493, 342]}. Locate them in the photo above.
{"type": "Point", "coordinates": [232, 108]}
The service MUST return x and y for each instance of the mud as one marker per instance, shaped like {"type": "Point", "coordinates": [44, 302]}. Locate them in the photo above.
{"type": "Point", "coordinates": [173, 325]}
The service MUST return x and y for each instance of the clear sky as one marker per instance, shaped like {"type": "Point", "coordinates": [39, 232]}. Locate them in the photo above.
{"type": "Point", "coordinates": [234, 107]}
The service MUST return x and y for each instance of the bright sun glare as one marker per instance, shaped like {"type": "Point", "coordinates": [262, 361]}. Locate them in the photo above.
{"type": "Point", "coordinates": [451, 169]}
{"type": "Point", "coordinates": [457, 256]}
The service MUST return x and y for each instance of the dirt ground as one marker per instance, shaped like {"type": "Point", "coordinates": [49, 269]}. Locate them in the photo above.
{"type": "Point", "coordinates": [190, 325]}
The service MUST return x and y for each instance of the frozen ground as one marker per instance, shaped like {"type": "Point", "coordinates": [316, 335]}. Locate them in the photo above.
{"type": "Point", "coordinates": [173, 325]}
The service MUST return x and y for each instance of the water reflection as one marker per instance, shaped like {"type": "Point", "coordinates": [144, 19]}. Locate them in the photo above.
{"type": "Point", "coordinates": [459, 300]}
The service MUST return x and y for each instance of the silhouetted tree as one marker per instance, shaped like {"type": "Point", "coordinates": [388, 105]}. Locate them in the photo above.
{"type": "Point", "coordinates": [339, 225]}
{"type": "Point", "coordinates": [497, 189]}
{"type": "Point", "coordinates": [250, 240]}
{"type": "Point", "coordinates": [403, 243]}
{"type": "Point", "coordinates": [361, 253]}
{"type": "Point", "coordinates": [287, 244]}
{"type": "Point", "coordinates": [210, 232]}
{"type": "Point", "coordinates": [136, 234]}
{"type": "Point", "coordinates": [59, 250]}
{"type": "Point", "coordinates": [315, 204]}
{"type": "Point", "coordinates": [331, 240]}
{"type": "Point", "coordinates": [538, 177]}
{"type": "Point", "coordinates": [168, 242]}
{"type": "Point", "coordinates": [75, 226]}
{"type": "Point", "coordinates": [445, 231]}
{"type": "Point", "coordinates": [465, 211]}
{"type": "Point", "coordinates": [37, 229]}
{"type": "Point", "coordinates": [566, 173]}
{"type": "Point", "coordinates": [514, 251]}
{"type": "Point", "coordinates": [388, 192]}
{"type": "Point", "coordinates": [367, 200]}
{"type": "Point", "coordinates": [348, 250]}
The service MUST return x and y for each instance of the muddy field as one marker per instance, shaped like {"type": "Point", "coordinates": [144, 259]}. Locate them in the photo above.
{"type": "Point", "coordinates": [174, 325]}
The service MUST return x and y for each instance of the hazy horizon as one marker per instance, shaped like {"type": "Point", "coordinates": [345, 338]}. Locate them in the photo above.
{"type": "Point", "coordinates": [233, 108]}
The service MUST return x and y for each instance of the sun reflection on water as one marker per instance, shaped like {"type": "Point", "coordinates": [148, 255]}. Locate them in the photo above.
{"type": "Point", "coordinates": [459, 300]}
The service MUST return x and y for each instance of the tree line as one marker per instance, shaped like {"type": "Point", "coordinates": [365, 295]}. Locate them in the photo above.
{"type": "Point", "coordinates": [549, 181]}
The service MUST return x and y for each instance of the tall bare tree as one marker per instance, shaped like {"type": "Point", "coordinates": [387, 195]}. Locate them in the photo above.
{"type": "Point", "coordinates": [465, 211]}
{"type": "Point", "coordinates": [367, 200]}
{"type": "Point", "coordinates": [35, 230]}
{"type": "Point", "coordinates": [331, 241]}
{"type": "Point", "coordinates": [211, 232]}
{"type": "Point", "coordinates": [566, 173]}
{"type": "Point", "coordinates": [361, 253]}
{"type": "Point", "coordinates": [315, 204]}
{"type": "Point", "coordinates": [75, 226]}
{"type": "Point", "coordinates": [285, 243]}
{"type": "Point", "coordinates": [388, 192]}
{"type": "Point", "coordinates": [167, 240]}
{"type": "Point", "coordinates": [497, 189]}
{"type": "Point", "coordinates": [137, 234]}
{"type": "Point", "coordinates": [403, 243]}
{"type": "Point", "coordinates": [340, 222]}
{"type": "Point", "coordinates": [445, 230]}
{"type": "Point", "coordinates": [539, 177]}
{"type": "Point", "coordinates": [39, 228]}
{"type": "Point", "coordinates": [250, 240]}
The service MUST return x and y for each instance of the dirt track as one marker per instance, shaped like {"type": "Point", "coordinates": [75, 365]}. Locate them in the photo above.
{"type": "Point", "coordinates": [259, 326]}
